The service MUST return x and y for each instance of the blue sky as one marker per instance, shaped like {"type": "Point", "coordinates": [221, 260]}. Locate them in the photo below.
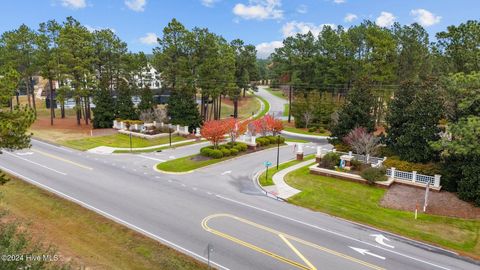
{"type": "Point", "coordinates": [263, 23]}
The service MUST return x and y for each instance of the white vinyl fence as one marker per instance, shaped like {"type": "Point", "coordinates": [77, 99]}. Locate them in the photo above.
{"type": "Point", "coordinates": [414, 177]}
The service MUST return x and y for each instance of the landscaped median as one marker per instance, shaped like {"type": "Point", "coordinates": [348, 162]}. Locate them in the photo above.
{"type": "Point", "coordinates": [265, 180]}
{"type": "Point", "coordinates": [362, 203]}
{"type": "Point", "coordinates": [211, 155]}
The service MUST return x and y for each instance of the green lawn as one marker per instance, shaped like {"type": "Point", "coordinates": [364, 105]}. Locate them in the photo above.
{"type": "Point", "coordinates": [117, 140]}
{"type": "Point", "coordinates": [154, 149]}
{"type": "Point", "coordinates": [267, 181]}
{"type": "Point", "coordinates": [286, 109]}
{"type": "Point", "coordinates": [246, 106]}
{"type": "Point", "coordinates": [296, 140]}
{"type": "Point", "coordinates": [84, 238]}
{"type": "Point", "coordinates": [186, 164]}
{"type": "Point", "coordinates": [266, 108]}
{"type": "Point", "coordinates": [276, 92]}
{"type": "Point", "coordinates": [360, 203]}
{"type": "Point", "coordinates": [305, 131]}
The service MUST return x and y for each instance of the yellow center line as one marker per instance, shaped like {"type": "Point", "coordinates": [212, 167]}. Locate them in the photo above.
{"type": "Point", "coordinates": [62, 159]}
{"type": "Point", "coordinates": [286, 236]}
{"type": "Point", "coordinates": [297, 252]}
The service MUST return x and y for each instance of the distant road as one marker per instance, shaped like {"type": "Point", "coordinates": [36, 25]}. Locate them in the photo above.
{"type": "Point", "coordinates": [219, 205]}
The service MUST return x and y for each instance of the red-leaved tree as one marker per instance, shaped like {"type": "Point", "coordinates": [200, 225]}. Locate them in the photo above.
{"type": "Point", "coordinates": [214, 131]}
{"type": "Point", "coordinates": [273, 125]}
{"type": "Point", "coordinates": [235, 128]}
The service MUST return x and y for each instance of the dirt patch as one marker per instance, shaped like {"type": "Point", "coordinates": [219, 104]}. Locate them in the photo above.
{"type": "Point", "coordinates": [439, 203]}
{"type": "Point", "coordinates": [66, 129]}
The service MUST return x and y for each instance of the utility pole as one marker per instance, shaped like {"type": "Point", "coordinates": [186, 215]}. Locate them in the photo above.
{"type": "Point", "coordinates": [278, 150]}
{"type": "Point", "coordinates": [289, 103]}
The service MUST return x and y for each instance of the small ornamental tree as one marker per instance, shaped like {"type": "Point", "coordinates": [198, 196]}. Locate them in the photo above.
{"type": "Point", "coordinates": [260, 126]}
{"type": "Point", "coordinates": [235, 128]}
{"type": "Point", "coordinates": [362, 142]}
{"type": "Point", "coordinates": [214, 131]}
{"type": "Point", "coordinates": [275, 126]}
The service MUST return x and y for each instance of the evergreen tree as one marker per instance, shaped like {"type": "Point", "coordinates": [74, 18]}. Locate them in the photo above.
{"type": "Point", "coordinates": [356, 112]}
{"type": "Point", "coordinates": [183, 110]}
{"type": "Point", "coordinates": [103, 115]}
{"type": "Point", "coordinates": [413, 121]}
{"type": "Point", "coordinates": [124, 105]}
{"type": "Point", "coordinates": [147, 103]}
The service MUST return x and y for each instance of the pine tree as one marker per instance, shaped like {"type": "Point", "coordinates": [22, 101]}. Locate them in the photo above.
{"type": "Point", "coordinates": [103, 115]}
{"type": "Point", "coordinates": [124, 105]}
{"type": "Point", "coordinates": [356, 112]}
{"type": "Point", "coordinates": [183, 110]}
{"type": "Point", "coordinates": [147, 103]}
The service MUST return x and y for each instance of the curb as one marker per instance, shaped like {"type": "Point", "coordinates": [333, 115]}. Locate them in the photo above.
{"type": "Point", "coordinates": [165, 172]}
{"type": "Point", "coordinates": [305, 135]}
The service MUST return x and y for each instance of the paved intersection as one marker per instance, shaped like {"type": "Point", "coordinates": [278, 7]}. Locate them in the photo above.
{"type": "Point", "coordinates": [219, 205]}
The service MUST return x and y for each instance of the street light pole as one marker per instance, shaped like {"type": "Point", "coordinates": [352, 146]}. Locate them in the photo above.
{"type": "Point", "coordinates": [278, 149]}
{"type": "Point", "coordinates": [170, 134]}
{"type": "Point", "coordinates": [130, 141]}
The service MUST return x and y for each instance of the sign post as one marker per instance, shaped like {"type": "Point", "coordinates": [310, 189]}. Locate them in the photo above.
{"type": "Point", "coordinates": [267, 164]}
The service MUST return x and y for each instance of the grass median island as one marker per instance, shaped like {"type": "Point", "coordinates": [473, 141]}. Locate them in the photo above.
{"type": "Point", "coordinates": [268, 181]}
{"type": "Point", "coordinates": [306, 132]}
{"type": "Point", "coordinates": [117, 140]}
{"type": "Point", "coordinates": [266, 108]}
{"type": "Point", "coordinates": [83, 237]}
{"type": "Point", "coordinates": [361, 203]}
{"type": "Point", "coordinates": [154, 149]}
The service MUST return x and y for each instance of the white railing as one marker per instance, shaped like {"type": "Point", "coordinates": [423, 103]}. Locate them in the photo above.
{"type": "Point", "coordinates": [363, 158]}
{"type": "Point", "coordinates": [414, 177]}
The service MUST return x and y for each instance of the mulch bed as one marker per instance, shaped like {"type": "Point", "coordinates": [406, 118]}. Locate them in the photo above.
{"type": "Point", "coordinates": [439, 203]}
{"type": "Point", "coordinates": [69, 125]}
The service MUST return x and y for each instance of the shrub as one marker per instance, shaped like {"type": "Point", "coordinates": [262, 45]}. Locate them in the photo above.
{"type": "Point", "coordinates": [272, 139]}
{"type": "Point", "coordinates": [421, 168]}
{"type": "Point", "coordinates": [384, 151]}
{"type": "Point", "coordinates": [234, 151]}
{"type": "Point", "coordinates": [342, 147]}
{"type": "Point", "coordinates": [262, 141]}
{"type": "Point", "coordinates": [282, 140]}
{"type": "Point", "coordinates": [322, 130]}
{"type": "Point", "coordinates": [216, 153]}
{"type": "Point", "coordinates": [312, 129]}
{"type": "Point", "coordinates": [373, 175]}
{"type": "Point", "coordinates": [241, 147]}
{"type": "Point", "coordinates": [206, 151]}
{"type": "Point", "coordinates": [357, 165]}
{"type": "Point", "coordinates": [226, 152]}
{"type": "Point", "coordinates": [330, 160]}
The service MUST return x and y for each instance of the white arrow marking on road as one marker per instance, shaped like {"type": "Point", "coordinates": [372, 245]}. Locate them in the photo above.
{"type": "Point", "coordinates": [226, 172]}
{"type": "Point", "coordinates": [25, 154]}
{"type": "Point", "coordinates": [379, 239]}
{"type": "Point", "coordinates": [366, 252]}
{"type": "Point", "coordinates": [171, 157]}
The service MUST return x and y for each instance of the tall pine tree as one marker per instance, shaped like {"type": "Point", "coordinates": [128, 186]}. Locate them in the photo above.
{"type": "Point", "coordinates": [124, 105]}
{"type": "Point", "coordinates": [103, 115]}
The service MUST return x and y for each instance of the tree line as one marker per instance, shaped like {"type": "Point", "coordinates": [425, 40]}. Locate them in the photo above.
{"type": "Point", "coordinates": [424, 95]}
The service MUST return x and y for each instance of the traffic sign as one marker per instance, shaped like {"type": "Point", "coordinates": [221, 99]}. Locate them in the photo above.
{"type": "Point", "coordinates": [267, 163]}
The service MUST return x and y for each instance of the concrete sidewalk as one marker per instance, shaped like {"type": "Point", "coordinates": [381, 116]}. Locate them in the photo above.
{"type": "Point", "coordinates": [282, 189]}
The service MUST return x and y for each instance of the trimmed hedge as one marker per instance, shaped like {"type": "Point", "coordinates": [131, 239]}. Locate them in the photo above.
{"type": "Point", "coordinates": [267, 140]}
{"type": "Point", "coordinates": [330, 160]}
{"type": "Point", "coordinates": [224, 150]}
{"type": "Point", "coordinates": [421, 168]}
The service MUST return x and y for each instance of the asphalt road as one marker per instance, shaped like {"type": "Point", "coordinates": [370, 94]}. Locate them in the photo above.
{"type": "Point", "coordinates": [219, 205]}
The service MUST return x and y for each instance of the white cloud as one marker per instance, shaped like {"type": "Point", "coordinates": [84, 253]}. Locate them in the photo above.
{"type": "Point", "coordinates": [350, 17]}
{"type": "Point", "coordinates": [74, 4]}
{"type": "Point", "coordinates": [386, 19]}
{"type": "Point", "coordinates": [424, 17]}
{"type": "Point", "coordinates": [292, 28]}
{"type": "Point", "coordinates": [259, 10]}
{"type": "Point", "coordinates": [149, 39]}
{"type": "Point", "coordinates": [302, 9]}
{"type": "Point", "coordinates": [97, 28]}
{"type": "Point", "coordinates": [209, 3]}
{"type": "Point", "coordinates": [266, 48]}
{"type": "Point", "coordinates": [136, 5]}
{"type": "Point", "coordinates": [339, 1]}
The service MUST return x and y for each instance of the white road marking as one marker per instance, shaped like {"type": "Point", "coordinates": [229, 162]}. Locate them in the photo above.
{"type": "Point", "coordinates": [332, 232]}
{"type": "Point", "coordinates": [379, 239]}
{"type": "Point", "coordinates": [171, 157]}
{"type": "Point", "coordinates": [54, 146]}
{"type": "Point", "coordinates": [183, 185]}
{"type": "Point", "coordinates": [33, 162]}
{"type": "Point", "coordinates": [25, 154]}
{"type": "Point", "coordinates": [156, 159]}
{"type": "Point", "coordinates": [114, 218]}
{"type": "Point", "coordinates": [158, 177]}
{"type": "Point", "coordinates": [226, 172]}
{"type": "Point", "coordinates": [169, 181]}
{"type": "Point", "coordinates": [366, 252]}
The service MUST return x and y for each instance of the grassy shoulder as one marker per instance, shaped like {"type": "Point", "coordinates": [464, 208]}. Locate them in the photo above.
{"type": "Point", "coordinates": [361, 203]}
{"type": "Point", "coordinates": [305, 131]}
{"type": "Point", "coordinates": [276, 92]}
{"type": "Point", "coordinates": [117, 140]}
{"type": "Point", "coordinates": [286, 109]}
{"type": "Point", "coordinates": [266, 108]}
{"type": "Point", "coordinates": [84, 238]}
{"type": "Point", "coordinates": [268, 181]}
